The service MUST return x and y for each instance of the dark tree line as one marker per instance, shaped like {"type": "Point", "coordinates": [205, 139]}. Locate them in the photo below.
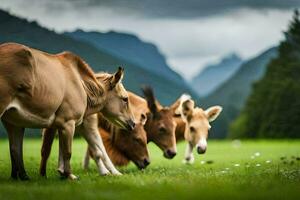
{"type": "Point", "coordinates": [273, 108]}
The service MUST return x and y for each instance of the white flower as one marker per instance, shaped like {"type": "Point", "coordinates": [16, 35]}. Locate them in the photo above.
{"type": "Point", "coordinates": [223, 172]}
{"type": "Point", "coordinates": [227, 168]}
{"type": "Point", "coordinates": [257, 154]}
{"type": "Point", "coordinates": [268, 161]}
{"type": "Point", "coordinates": [237, 165]}
{"type": "Point", "coordinates": [202, 162]}
{"type": "Point", "coordinates": [258, 165]}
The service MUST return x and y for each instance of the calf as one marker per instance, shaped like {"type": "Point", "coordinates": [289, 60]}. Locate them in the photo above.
{"type": "Point", "coordinates": [193, 126]}
{"type": "Point", "coordinates": [160, 125]}
{"type": "Point", "coordinates": [121, 145]}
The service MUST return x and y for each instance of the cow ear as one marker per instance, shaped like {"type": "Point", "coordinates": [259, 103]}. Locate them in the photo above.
{"type": "Point", "coordinates": [187, 108]}
{"type": "Point", "coordinates": [213, 112]}
{"type": "Point", "coordinates": [153, 105]}
{"type": "Point", "coordinates": [177, 106]}
{"type": "Point", "coordinates": [143, 119]}
{"type": "Point", "coordinates": [117, 77]}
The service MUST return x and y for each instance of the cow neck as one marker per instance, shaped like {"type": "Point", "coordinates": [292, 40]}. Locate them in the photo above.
{"type": "Point", "coordinates": [116, 155]}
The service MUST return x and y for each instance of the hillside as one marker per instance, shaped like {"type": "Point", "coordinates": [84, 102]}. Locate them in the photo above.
{"type": "Point", "coordinates": [234, 92]}
{"type": "Point", "coordinates": [273, 108]}
{"type": "Point", "coordinates": [214, 75]}
{"type": "Point", "coordinates": [130, 48]}
{"type": "Point", "coordinates": [33, 35]}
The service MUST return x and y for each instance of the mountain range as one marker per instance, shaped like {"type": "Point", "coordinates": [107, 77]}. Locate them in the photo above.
{"type": "Point", "coordinates": [232, 94]}
{"type": "Point", "coordinates": [132, 49]}
{"type": "Point", "coordinates": [214, 75]}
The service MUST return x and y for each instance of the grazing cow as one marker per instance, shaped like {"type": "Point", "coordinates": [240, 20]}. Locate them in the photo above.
{"type": "Point", "coordinates": [121, 145]}
{"type": "Point", "coordinates": [41, 90]}
{"type": "Point", "coordinates": [193, 126]}
{"type": "Point", "coordinates": [117, 98]}
{"type": "Point", "coordinates": [160, 125]}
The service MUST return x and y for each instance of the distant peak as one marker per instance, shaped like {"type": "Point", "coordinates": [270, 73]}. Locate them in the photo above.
{"type": "Point", "coordinates": [232, 57]}
{"type": "Point", "coordinates": [122, 34]}
{"type": "Point", "coordinates": [79, 31]}
{"type": "Point", "coordinates": [112, 33]}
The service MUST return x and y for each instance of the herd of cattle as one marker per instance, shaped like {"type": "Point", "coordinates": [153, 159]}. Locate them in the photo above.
{"type": "Point", "coordinates": [61, 94]}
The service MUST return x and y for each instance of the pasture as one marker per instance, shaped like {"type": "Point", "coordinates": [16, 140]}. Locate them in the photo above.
{"type": "Point", "coordinates": [250, 169]}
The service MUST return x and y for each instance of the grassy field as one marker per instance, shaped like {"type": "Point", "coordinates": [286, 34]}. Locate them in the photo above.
{"type": "Point", "coordinates": [250, 169]}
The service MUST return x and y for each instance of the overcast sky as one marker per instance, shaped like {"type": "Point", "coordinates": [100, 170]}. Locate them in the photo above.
{"type": "Point", "coordinates": [190, 33]}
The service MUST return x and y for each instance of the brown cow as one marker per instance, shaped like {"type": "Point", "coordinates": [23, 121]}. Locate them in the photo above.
{"type": "Point", "coordinates": [193, 126]}
{"type": "Point", "coordinates": [89, 129]}
{"type": "Point", "coordinates": [160, 125]}
{"type": "Point", "coordinates": [123, 146]}
{"type": "Point", "coordinates": [41, 90]}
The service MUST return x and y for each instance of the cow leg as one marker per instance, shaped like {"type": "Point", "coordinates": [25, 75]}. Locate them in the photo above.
{"type": "Point", "coordinates": [60, 167]}
{"type": "Point", "coordinates": [15, 136]}
{"type": "Point", "coordinates": [48, 137]}
{"type": "Point", "coordinates": [102, 169]}
{"type": "Point", "coordinates": [92, 136]}
{"type": "Point", "coordinates": [96, 152]}
{"type": "Point", "coordinates": [66, 136]}
{"type": "Point", "coordinates": [86, 159]}
{"type": "Point", "coordinates": [189, 157]}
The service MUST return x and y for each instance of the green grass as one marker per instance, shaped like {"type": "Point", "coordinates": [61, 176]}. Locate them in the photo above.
{"type": "Point", "coordinates": [166, 179]}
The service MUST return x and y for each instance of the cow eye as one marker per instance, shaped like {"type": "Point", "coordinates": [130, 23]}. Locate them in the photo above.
{"type": "Point", "coordinates": [143, 116]}
{"type": "Point", "coordinates": [162, 130]}
{"type": "Point", "coordinates": [125, 99]}
{"type": "Point", "coordinates": [138, 140]}
{"type": "Point", "coordinates": [192, 129]}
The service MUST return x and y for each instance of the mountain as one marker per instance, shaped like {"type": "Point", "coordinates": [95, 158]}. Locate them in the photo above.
{"type": "Point", "coordinates": [273, 108]}
{"type": "Point", "coordinates": [234, 92]}
{"type": "Point", "coordinates": [214, 75]}
{"type": "Point", "coordinates": [130, 48]}
{"type": "Point", "coordinates": [14, 29]}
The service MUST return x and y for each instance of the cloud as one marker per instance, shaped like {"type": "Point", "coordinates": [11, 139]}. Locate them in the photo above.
{"type": "Point", "coordinates": [190, 34]}
{"type": "Point", "coordinates": [187, 8]}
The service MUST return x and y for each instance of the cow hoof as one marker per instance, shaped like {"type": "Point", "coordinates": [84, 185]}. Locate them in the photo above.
{"type": "Point", "coordinates": [24, 177]}
{"type": "Point", "coordinates": [68, 176]}
{"type": "Point", "coordinates": [14, 176]}
{"type": "Point", "coordinates": [44, 175]}
{"type": "Point", "coordinates": [117, 173]}
{"type": "Point", "coordinates": [61, 172]}
{"type": "Point", "coordinates": [104, 173]}
{"type": "Point", "coordinates": [188, 161]}
{"type": "Point", "coordinates": [73, 177]}
{"type": "Point", "coordinates": [185, 161]}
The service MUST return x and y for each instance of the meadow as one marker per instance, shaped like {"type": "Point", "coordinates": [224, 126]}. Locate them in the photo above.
{"type": "Point", "coordinates": [236, 170]}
